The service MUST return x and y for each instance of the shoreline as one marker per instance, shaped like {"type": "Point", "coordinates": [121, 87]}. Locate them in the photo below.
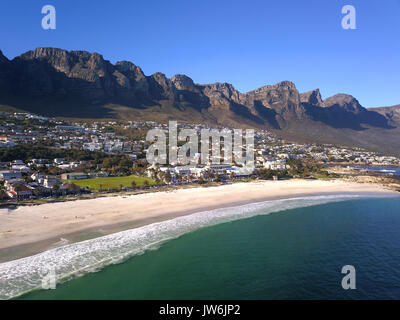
{"type": "Point", "coordinates": [26, 231]}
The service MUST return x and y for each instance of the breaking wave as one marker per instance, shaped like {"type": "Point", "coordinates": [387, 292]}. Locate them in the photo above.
{"type": "Point", "coordinates": [23, 275]}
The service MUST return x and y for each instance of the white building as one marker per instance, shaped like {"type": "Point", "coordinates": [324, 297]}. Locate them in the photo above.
{"type": "Point", "coordinates": [275, 164]}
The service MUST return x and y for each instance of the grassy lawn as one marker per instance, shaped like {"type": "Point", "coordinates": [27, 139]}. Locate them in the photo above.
{"type": "Point", "coordinates": [112, 182]}
{"type": "Point", "coordinates": [324, 177]}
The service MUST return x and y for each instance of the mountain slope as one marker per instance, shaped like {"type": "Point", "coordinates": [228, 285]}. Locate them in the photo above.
{"type": "Point", "coordinates": [391, 113]}
{"type": "Point", "coordinates": [64, 83]}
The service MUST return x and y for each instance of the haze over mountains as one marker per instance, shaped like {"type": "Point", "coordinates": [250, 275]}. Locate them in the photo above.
{"type": "Point", "coordinates": [80, 84]}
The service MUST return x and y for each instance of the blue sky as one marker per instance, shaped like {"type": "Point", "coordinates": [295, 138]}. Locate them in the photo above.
{"type": "Point", "coordinates": [247, 43]}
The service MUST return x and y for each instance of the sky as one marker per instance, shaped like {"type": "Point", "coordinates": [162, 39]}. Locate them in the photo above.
{"type": "Point", "coordinates": [247, 43]}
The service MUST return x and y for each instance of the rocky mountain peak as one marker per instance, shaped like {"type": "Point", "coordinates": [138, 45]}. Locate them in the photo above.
{"type": "Point", "coordinates": [312, 97]}
{"type": "Point", "coordinates": [183, 82]}
{"type": "Point", "coordinates": [74, 64]}
{"type": "Point", "coordinates": [289, 85]}
{"type": "Point", "coordinates": [221, 93]}
{"type": "Point", "coordinates": [280, 86]}
{"type": "Point", "coordinates": [130, 70]}
{"type": "Point", "coordinates": [344, 101]}
{"type": "Point", "coordinates": [125, 66]}
{"type": "Point", "coordinates": [43, 52]}
{"type": "Point", "coordinates": [281, 96]}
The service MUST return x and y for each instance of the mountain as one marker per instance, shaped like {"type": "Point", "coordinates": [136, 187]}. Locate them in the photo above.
{"type": "Point", "coordinates": [312, 97]}
{"type": "Point", "coordinates": [80, 84]}
{"type": "Point", "coordinates": [391, 113]}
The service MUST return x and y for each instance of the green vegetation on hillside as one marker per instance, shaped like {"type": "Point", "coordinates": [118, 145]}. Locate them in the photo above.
{"type": "Point", "coordinates": [26, 152]}
{"type": "Point", "coordinates": [307, 169]}
{"type": "Point", "coordinates": [111, 163]}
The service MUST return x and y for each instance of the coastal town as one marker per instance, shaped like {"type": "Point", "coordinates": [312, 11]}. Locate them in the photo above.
{"type": "Point", "coordinates": [199, 159]}
{"type": "Point", "coordinates": [42, 157]}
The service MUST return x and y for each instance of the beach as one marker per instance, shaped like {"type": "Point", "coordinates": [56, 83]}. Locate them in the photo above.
{"type": "Point", "coordinates": [32, 229]}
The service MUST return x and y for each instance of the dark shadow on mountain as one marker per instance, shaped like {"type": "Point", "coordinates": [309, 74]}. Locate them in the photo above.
{"type": "Point", "coordinates": [194, 99]}
{"type": "Point", "coordinates": [56, 106]}
{"type": "Point", "coordinates": [243, 111]}
{"type": "Point", "coordinates": [38, 87]}
{"type": "Point", "coordinates": [339, 118]}
{"type": "Point", "coordinates": [267, 114]}
{"type": "Point", "coordinates": [376, 119]}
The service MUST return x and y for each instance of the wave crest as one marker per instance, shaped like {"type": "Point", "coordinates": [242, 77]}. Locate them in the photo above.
{"type": "Point", "coordinates": [26, 274]}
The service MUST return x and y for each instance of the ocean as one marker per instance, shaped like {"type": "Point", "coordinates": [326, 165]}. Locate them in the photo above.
{"type": "Point", "coordinates": [388, 170]}
{"type": "Point", "coordinates": [282, 249]}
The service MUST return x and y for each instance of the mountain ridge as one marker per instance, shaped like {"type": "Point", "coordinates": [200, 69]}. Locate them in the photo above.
{"type": "Point", "coordinates": [77, 83]}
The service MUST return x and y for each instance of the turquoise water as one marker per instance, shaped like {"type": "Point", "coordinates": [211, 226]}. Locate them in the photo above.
{"type": "Point", "coordinates": [295, 254]}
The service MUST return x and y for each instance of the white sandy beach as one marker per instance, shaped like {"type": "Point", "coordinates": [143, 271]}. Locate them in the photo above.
{"type": "Point", "coordinates": [28, 225]}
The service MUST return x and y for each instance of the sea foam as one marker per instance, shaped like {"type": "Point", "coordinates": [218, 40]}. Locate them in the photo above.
{"type": "Point", "coordinates": [26, 274]}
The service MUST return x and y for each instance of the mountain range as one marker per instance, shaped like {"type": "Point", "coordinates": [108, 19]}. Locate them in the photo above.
{"type": "Point", "coordinates": [79, 84]}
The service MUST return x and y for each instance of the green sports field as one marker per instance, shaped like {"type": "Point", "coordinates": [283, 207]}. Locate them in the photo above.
{"type": "Point", "coordinates": [112, 182]}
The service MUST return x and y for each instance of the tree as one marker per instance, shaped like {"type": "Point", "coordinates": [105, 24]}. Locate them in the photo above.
{"type": "Point", "coordinates": [167, 177]}
{"type": "Point", "coordinates": [266, 174]}
{"type": "Point", "coordinates": [27, 178]}
{"type": "Point", "coordinates": [153, 173]}
{"type": "Point", "coordinates": [56, 188]}
{"type": "Point", "coordinates": [19, 187]}
{"type": "Point", "coordinates": [74, 187]}
{"type": "Point", "coordinates": [39, 192]}
{"type": "Point", "coordinates": [3, 194]}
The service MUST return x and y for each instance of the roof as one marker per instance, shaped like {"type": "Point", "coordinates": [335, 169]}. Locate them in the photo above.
{"type": "Point", "coordinates": [77, 174]}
